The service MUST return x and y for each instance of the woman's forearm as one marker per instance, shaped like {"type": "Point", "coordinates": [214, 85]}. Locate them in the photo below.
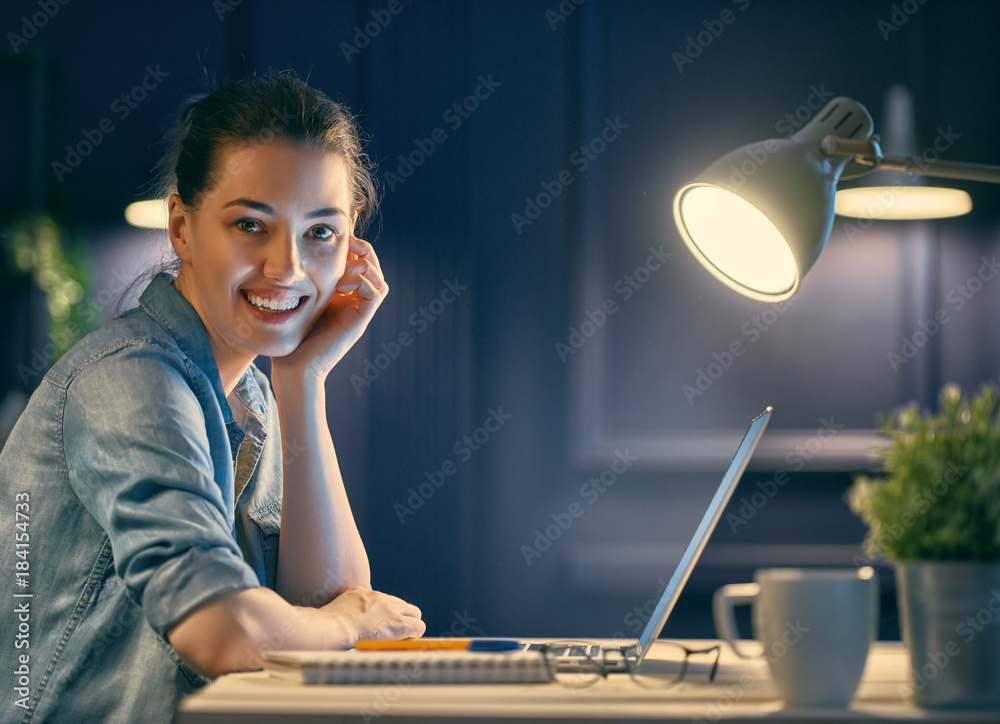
{"type": "Point", "coordinates": [320, 551]}
{"type": "Point", "coordinates": [232, 631]}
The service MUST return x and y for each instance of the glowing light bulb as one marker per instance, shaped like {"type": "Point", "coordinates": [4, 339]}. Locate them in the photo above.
{"type": "Point", "coordinates": [735, 241]}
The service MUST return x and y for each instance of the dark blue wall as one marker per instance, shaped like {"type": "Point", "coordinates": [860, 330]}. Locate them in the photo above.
{"type": "Point", "coordinates": [533, 81]}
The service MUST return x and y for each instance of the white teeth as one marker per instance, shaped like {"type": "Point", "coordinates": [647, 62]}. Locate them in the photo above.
{"type": "Point", "coordinates": [273, 304]}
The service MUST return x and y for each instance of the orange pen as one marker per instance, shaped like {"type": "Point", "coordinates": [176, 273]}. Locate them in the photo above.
{"type": "Point", "coordinates": [412, 645]}
{"type": "Point", "coordinates": [438, 645]}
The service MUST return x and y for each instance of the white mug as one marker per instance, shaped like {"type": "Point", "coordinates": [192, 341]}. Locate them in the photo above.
{"type": "Point", "coordinates": [816, 626]}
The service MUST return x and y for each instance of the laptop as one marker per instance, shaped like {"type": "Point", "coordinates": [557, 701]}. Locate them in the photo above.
{"type": "Point", "coordinates": [621, 657]}
{"type": "Point", "coordinates": [523, 665]}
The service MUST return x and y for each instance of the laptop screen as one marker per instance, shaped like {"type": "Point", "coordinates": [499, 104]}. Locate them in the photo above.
{"type": "Point", "coordinates": [704, 531]}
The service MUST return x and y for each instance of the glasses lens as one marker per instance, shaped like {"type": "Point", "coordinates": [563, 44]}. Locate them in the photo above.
{"type": "Point", "coordinates": [673, 663]}
{"type": "Point", "coordinates": [574, 664]}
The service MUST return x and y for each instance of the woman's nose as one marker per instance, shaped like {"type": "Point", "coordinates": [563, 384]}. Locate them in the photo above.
{"type": "Point", "coordinates": [283, 259]}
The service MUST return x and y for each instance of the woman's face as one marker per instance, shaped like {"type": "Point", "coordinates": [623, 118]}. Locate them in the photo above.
{"type": "Point", "coordinates": [273, 232]}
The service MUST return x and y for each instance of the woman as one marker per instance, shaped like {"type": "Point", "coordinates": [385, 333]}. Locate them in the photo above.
{"type": "Point", "coordinates": [168, 537]}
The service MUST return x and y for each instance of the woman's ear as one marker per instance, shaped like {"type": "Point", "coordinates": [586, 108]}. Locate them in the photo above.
{"type": "Point", "coordinates": [179, 227]}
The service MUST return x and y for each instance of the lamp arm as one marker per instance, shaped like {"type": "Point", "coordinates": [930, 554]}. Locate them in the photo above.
{"type": "Point", "coordinates": [868, 153]}
{"type": "Point", "coordinates": [943, 169]}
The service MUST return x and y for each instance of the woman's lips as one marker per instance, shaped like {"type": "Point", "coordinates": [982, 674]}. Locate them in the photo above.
{"type": "Point", "coordinates": [272, 315]}
{"type": "Point", "coordinates": [264, 299]}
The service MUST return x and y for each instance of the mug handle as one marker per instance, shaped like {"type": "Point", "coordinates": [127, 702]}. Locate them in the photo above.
{"type": "Point", "coordinates": [730, 595]}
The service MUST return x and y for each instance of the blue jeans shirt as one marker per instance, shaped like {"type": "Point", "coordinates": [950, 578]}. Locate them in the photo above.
{"type": "Point", "coordinates": [135, 491]}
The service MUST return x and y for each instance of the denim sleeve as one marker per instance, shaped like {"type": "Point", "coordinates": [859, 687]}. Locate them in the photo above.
{"type": "Point", "coordinates": [136, 440]}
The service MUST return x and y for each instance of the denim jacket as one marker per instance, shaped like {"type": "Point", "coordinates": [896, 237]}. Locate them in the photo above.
{"type": "Point", "coordinates": [135, 491]}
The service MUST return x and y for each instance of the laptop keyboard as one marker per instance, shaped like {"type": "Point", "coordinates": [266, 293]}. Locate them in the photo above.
{"type": "Point", "coordinates": [593, 651]}
{"type": "Point", "coordinates": [583, 657]}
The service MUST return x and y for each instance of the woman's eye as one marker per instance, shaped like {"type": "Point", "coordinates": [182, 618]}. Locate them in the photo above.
{"type": "Point", "coordinates": [324, 233]}
{"type": "Point", "coordinates": [249, 226]}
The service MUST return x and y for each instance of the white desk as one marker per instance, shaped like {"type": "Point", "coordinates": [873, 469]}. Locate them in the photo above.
{"type": "Point", "coordinates": [742, 691]}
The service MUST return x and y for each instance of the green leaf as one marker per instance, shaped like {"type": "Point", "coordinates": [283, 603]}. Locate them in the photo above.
{"type": "Point", "coordinates": [939, 497]}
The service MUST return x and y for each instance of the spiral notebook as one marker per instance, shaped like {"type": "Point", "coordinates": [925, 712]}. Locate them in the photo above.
{"type": "Point", "coordinates": [408, 667]}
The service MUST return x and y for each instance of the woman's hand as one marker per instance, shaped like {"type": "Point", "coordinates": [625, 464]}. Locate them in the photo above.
{"type": "Point", "coordinates": [373, 615]}
{"type": "Point", "coordinates": [229, 631]}
{"type": "Point", "coordinates": [357, 295]}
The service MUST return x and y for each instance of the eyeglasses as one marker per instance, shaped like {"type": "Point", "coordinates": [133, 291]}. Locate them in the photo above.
{"type": "Point", "coordinates": [577, 664]}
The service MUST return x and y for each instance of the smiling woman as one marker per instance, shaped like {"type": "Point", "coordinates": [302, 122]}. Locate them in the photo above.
{"type": "Point", "coordinates": [261, 257]}
{"type": "Point", "coordinates": [155, 444]}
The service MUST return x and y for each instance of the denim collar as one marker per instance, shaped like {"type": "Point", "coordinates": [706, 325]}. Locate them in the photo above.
{"type": "Point", "coordinates": [171, 310]}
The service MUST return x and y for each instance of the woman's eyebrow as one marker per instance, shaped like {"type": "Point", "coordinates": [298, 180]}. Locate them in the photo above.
{"type": "Point", "coordinates": [328, 211]}
{"type": "Point", "coordinates": [258, 206]}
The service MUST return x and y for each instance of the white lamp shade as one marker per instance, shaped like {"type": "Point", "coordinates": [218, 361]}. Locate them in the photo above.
{"type": "Point", "coordinates": [758, 217]}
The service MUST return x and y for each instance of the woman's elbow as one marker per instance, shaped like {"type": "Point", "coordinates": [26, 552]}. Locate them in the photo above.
{"type": "Point", "coordinates": [211, 641]}
{"type": "Point", "coordinates": [209, 656]}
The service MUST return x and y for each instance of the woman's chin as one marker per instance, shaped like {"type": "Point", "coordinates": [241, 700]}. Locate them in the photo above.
{"type": "Point", "coordinates": [277, 348]}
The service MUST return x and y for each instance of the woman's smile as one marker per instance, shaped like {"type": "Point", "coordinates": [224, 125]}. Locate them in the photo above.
{"type": "Point", "coordinates": [272, 306]}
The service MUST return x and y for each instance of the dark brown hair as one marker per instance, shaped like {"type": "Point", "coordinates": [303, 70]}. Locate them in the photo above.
{"type": "Point", "coordinates": [277, 106]}
{"type": "Point", "coordinates": [258, 110]}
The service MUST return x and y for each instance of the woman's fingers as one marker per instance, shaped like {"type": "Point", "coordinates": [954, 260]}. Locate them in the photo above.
{"type": "Point", "coordinates": [363, 286]}
{"type": "Point", "coordinates": [378, 615]}
{"type": "Point", "coordinates": [362, 263]}
{"type": "Point", "coordinates": [364, 268]}
{"type": "Point", "coordinates": [361, 249]}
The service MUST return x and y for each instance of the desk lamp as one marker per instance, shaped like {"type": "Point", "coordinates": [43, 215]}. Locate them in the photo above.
{"type": "Point", "coordinates": [759, 217]}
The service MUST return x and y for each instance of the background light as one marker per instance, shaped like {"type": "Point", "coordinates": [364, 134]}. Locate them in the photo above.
{"type": "Point", "coordinates": [151, 214]}
{"type": "Point", "coordinates": [896, 195]}
{"type": "Point", "coordinates": [902, 202]}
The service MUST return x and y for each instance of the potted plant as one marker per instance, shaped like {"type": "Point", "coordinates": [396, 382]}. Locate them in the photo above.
{"type": "Point", "coordinates": [936, 515]}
